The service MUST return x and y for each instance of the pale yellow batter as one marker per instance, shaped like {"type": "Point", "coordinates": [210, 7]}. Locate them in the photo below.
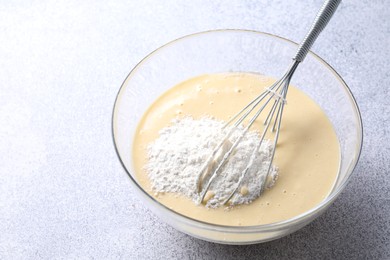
{"type": "Point", "coordinates": [307, 152]}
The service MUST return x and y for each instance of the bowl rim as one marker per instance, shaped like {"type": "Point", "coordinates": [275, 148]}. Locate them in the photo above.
{"type": "Point", "coordinates": [253, 228]}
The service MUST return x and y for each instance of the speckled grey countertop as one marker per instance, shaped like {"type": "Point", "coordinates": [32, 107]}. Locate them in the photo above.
{"type": "Point", "coordinates": [63, 192]}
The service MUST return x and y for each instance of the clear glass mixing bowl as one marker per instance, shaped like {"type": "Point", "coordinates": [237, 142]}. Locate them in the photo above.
{"type": "Point", "coordinates": [235, 51]}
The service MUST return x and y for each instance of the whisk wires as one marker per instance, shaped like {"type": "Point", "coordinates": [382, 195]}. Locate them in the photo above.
{"type": "Point", "coordinates": [276, 92]}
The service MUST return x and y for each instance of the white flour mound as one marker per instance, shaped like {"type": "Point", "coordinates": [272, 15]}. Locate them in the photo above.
{"type": "Point", "coordinates": [176, 157]}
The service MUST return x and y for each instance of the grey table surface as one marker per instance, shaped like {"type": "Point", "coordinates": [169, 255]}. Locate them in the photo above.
{"type": "Point", "coordinates": [63, 192]}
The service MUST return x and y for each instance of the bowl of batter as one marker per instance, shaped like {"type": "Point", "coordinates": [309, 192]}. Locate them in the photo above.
{"type": "Point", "coordinates": [196, 82]}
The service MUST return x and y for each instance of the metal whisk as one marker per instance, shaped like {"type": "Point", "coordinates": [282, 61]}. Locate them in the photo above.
{"type": "Point", "coordinates": [276, 93]}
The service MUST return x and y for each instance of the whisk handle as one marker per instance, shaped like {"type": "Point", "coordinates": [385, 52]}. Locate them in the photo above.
{"type": "Point", "coordinates": [324, 14]}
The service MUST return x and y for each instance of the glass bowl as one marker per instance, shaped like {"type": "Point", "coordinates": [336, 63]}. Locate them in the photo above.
{"type": "Point", "coordinates": [235, 51]}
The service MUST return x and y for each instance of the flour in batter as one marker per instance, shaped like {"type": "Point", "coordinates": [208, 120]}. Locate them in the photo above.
{"type": "Point", "coordinates": [176, 157]}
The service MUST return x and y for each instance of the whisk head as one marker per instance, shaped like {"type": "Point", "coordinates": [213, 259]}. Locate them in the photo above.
{"type": "Point", "coordinates": [273, 100]}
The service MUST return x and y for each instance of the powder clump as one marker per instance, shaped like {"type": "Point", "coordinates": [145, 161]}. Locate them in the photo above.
{"type": "Point", "coordinates": [179, 153]}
